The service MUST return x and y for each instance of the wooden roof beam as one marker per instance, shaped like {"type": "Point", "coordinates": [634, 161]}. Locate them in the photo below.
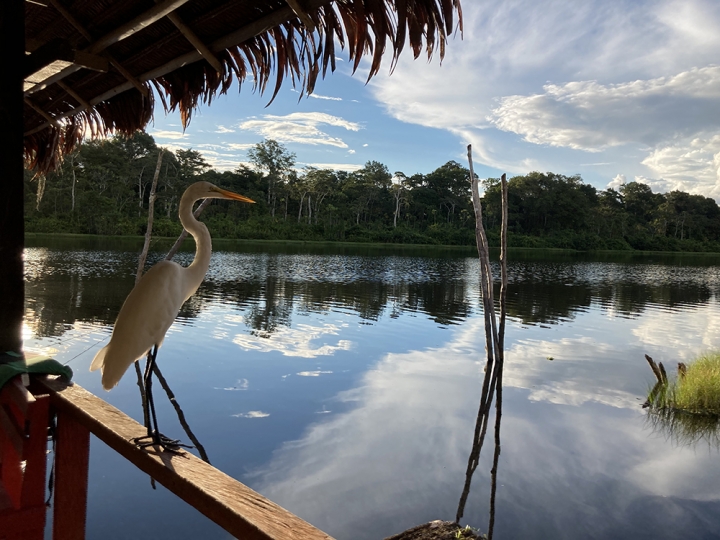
{"type": "Point", "coordinates": [238, 36]}
{"type": "Point", "coordinates": [59, 49]}
{"type": "Point", "coordinates": [74, 94]}
{"type": "Point", "coordinates": [42, 113]}
{"type": "Point", "coordinates": [124, 31]}
{"type": "Point", "coordinates": [125, 73]}
{"type": "Point", "coordinates": [69, 17]}
{"type": "Point", "coordinates": [134, 26]}
{"type": "Point", "coordinates": [84, 32]}
{"type": "Point", "coordinates": [196, 42]}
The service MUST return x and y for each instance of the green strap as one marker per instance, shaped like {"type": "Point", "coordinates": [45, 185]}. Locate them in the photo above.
{"type": "Point", "coordinates": [37, 364]}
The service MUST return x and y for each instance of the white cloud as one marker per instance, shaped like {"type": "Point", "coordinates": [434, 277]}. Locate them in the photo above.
{"type": "Point", "coordinates": [300, 127]}
{"type": "Point", "coordinates": [691, 164]}
{"type": "Point", "coordinates": [616, 182]}
{"type": "Point", "coordinates": [521, 44]}
{"type": "Point", "coordinates": [240, 146]}
{"type": "Point", "coordinates": [330, 98]}
{"type": "Point", "coordinates": [252, 414]}
{"type": "Point", "coordinates": [622, 79]}
{"type": "Point", "coordinates": [223, 129]}
{"type": "Point", "coordinates": [174, 147]}
{"type": "Point", "coordinates": [315, 373]}
{"type": "Point", "coordinates": [167, 134]}
{"type": "Point", "coordinates": [590, 116]}
{"type": "Point", "coordinates": [318, 96]}
{"type": "Point", "coordinates": [351, 151]}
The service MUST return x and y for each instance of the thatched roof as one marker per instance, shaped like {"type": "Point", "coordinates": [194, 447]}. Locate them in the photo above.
{"type": "Point", "coordinates": [93, 64]}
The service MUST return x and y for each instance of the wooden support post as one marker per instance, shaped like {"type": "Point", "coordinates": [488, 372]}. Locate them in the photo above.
{"type": "Point", "coordinates": [72, 454]}
{"type": "Point", "coordinates": [12, 230]}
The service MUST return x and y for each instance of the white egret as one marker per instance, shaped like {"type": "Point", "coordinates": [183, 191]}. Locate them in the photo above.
{"type": "Point", "coordinates": [152, 305]}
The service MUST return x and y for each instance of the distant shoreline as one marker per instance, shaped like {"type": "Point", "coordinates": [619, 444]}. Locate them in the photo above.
{"type": "Point", "coordinates": [218, 242]}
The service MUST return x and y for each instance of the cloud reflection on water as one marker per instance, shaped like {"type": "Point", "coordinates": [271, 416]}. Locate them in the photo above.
{"type": "Point", "coordinates": [577, 458]}
{"type": "Point", "coordinates": [296, 341]}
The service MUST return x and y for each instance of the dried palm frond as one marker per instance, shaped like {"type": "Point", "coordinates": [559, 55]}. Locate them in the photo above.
{"type": "Point", "coordinates": [286, 50]}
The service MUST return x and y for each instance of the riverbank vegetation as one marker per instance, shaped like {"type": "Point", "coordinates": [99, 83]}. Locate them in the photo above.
{"type": "Point", "coordinates": [103, 188]}
{"type": "Point", "coordinates": [687, 409]}
{"type": "Point", "coordinates": [696, 389]}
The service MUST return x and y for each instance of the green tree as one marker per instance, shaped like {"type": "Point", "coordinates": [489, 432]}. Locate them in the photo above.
{"type": "Point", "coordinates": [276, 162]}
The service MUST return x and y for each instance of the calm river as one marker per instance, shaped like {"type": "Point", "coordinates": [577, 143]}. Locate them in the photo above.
{"type": "Point", "coordinates": [343, 384]}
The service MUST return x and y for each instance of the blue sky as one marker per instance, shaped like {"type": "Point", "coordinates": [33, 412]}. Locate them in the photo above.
{"type": "Point", "coordinates": [611, 90]}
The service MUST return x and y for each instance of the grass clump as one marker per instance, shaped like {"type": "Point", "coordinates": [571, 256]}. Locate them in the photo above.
{"type": "Point", "coordinates": [698, 391]}
{"type": "Point", "coordinates": [688, 408]}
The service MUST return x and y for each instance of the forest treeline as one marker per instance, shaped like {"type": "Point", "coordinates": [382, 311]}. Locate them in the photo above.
{"type": "Point", "coordinates": [103, 188]}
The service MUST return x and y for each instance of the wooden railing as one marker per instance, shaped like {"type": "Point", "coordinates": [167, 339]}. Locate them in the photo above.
{"type": "Point", "coordinates": [238, 509]}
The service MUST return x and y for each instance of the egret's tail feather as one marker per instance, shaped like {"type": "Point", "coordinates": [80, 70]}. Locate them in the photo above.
{"type": "Point", "coordinates": [113, 367]}
{"type": "Point", "coordinates": [99, 359]}
{"type": "Point", "coordinates": [112, 372]}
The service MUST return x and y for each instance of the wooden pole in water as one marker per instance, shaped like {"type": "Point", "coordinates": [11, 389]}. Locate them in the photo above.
{"type": "Point", "coordinates": [12, 229]}
{"type": "Point", "coordinates": [494, 344]}
{"type": "Point", "coordinates": [141, 267]}
{"type": "Point", "coordinates": [151, 215]}
{"type": "Point", "coordinates": [501, 355]}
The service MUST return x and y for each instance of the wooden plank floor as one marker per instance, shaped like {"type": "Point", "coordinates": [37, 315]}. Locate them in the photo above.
{"type": "Point", "coordinates": [241, 511]}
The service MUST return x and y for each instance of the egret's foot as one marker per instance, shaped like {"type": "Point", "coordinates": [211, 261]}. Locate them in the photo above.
{"type": "Point", "coordinates": [166, 444]}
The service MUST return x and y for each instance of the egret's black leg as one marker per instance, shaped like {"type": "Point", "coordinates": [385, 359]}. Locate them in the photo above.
{"type": "Point", "coordinates": [156, 438]}
{"type": "Point", "coordinates": [153, 431]}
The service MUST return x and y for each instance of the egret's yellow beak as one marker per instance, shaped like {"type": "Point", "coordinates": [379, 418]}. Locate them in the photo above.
{"type": "Point", "coordinates": [234, 196]}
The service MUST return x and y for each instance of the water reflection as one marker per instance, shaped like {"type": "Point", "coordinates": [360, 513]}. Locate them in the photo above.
{"type": "Point", "coordinates": [89, 286]}
{"type": "Point", "coordinates": [684, 428]}
{"type": "Point", "coordinates": [345, 388]}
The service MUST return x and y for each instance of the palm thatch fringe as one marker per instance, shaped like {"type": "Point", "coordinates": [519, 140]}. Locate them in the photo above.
{"type": "Point", "coordinates": [288, 50]}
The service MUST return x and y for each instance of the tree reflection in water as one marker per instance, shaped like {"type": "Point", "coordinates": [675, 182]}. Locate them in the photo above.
{"type": "Point", "coordinates": [65, 288]}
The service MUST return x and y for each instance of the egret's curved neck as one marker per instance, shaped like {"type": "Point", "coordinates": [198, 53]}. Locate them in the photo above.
{"type": "Point", "coordinates": [203, 243]}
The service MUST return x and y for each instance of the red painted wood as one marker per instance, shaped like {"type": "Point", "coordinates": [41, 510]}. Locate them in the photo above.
{"type": "Point", "coordinates": [12, 442]}
{"type": "Point", "coordinates": [22, 512]}
{"type": "Point", "coordinates": [27, 524]}
{"type": "Point", "coordinates": [12, 474]}
{"type": "Point", "coordinates": [72, 455]}
{"type": "Point", "coordinates": [33, 493]}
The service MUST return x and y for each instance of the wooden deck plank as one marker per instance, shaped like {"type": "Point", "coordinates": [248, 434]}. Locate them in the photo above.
{"type": "Point", "coordinates": [238, 509]}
